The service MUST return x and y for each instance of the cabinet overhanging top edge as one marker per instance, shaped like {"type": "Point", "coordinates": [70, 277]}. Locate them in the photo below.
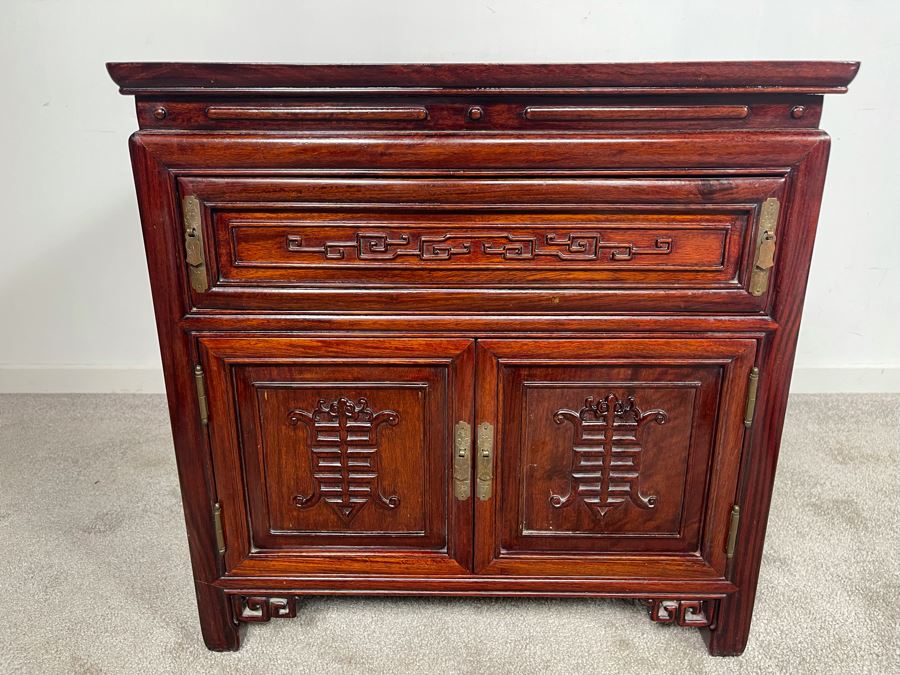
{"type": "Point", "coordinates": [789, 77]}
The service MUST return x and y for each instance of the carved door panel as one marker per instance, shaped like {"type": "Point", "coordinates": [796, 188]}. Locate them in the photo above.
{"type": "Point", "coordinates": [612, 457]}
{"type": "Point", "coordinates": [334, 455]}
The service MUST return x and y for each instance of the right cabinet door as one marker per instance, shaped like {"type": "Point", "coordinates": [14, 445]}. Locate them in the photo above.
{"type": "Point", "coordinates": [614, 458]}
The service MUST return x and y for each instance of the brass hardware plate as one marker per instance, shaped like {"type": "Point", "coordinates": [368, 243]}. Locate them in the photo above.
{"type": "Point", "coordinates": [195, 255]}
{"type": "Point", "coordinates": [462, 461]}
{"type": "Point", "coordinates": [200, 381]}
{"type": "Point", "coordinates": [765, 247]}
{"type": "Point", "coordinates": [220, 533]}
{"type": "Point", "coordinates": [732, 531]}
{"type": "Point", "coordinates": [485, 468]}
{"type": "Point", "coordinates": [752, 387]}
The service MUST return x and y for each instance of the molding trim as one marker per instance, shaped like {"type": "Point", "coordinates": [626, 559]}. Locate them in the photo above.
{"type": "Point", "coordinates": [149, 380]}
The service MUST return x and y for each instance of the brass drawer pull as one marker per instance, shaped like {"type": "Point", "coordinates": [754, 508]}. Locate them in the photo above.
{"type": "Point", "coordinates": [764, 259]}
{"type": "Point", "coordinates": [194, 254]}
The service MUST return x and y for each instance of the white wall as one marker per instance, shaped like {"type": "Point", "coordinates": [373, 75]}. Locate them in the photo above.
{"type": "Point", "coordinates": [75, 311]}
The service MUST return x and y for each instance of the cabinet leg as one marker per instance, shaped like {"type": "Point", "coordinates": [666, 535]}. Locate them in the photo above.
{"type": "Point", "coordinates": [729, 636]}
{"type": "Point", "coordinates": [221, 632]}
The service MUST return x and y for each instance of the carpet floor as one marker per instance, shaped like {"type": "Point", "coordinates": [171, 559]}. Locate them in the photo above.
{"type": "Point", "coordinates": [95, 572]}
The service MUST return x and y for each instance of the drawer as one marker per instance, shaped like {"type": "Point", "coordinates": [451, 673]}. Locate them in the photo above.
{"type": "Point", "coordinates": [504, 244]}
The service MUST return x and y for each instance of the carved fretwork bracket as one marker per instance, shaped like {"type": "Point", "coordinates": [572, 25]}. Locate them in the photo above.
{"type": "Point", "coordinates": [696, 613]}
{"type": "Point", "coordinates": [258, 608]}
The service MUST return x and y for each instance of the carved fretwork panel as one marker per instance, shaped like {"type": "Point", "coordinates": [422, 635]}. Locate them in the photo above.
{"type": "Point", "coordinates": [689, 613]}
{"type": "Point", "coordinates": [260, 608]}
{"type": "Point", "coordinates": [343, 450]}
{"type": "Point", "coordinates": [581, 245]}
{"type": "Point", "coordinates": [606, 454]}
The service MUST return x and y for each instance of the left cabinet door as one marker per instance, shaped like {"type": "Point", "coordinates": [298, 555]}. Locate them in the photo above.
{"type": "Point", "coordinates": [336, 456]}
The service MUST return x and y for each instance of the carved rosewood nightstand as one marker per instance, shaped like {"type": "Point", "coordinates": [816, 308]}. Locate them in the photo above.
{"type": "Point", "coordinates": [479, 330]}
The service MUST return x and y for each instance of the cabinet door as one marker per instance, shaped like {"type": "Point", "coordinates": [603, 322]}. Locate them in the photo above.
{"type": "Point", "coordinates": [614, 457]}
{"type": "Point", "coordinates": [334, 455]}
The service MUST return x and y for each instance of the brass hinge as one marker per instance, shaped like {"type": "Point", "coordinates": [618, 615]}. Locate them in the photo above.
{"type": "Point", "coordinates": [764, 259]}
{"type": "Point", "coordinates": [200, 381]}
{"type": "Point", "coordinates": [195, 256]}
{"type": "Point", "coordinates": [462, 461]}
{"type": "Point", "coordinates": [732, 531]}
{"type": "Point", "coordinates": [485, 470]}
{"type": "Point", "coordinates": [220, 533]}
{"type": "Point", "coordinates": [752, 386]}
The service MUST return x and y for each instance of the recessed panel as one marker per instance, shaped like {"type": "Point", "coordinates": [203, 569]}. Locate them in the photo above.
{"type": "Point", "coordinates": [608, 459]}
{"type": "Point", "coordinates": [341, 459]}
{"type": "Point", "coordinates": [333, 453]}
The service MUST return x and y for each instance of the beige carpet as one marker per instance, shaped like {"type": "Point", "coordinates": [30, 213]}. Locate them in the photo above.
{"type": "Point", "coordinates": [95, 575]}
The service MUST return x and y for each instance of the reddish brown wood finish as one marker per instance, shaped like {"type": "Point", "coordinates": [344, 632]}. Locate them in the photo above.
{"type": "Point", "coordinates": [676, 482]}
{"type": "Point", "coordinates": [563, 252]}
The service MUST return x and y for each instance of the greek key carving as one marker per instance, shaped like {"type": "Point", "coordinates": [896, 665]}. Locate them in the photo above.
{"type": "Point", "coordinates": [257, 608]}
{"type": "Point", "coordinates": [574, 246]}
{"type": "Point", "coordinates": [688, 613]}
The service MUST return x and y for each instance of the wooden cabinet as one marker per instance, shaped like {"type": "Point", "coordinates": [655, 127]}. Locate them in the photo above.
{"type": "Point", "coordinates": [479, 330]}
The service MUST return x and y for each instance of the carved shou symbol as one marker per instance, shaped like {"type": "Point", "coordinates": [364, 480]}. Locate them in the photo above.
{"type": "Point", "coordinates": [577, 246]}
{"type": "Point", "coordinates": [343, 442]}
{"type": "Point", "coordinates": [606, 454]}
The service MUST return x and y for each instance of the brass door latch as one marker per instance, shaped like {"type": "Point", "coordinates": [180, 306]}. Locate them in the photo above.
{"type": "Point", "coordinates": [485, 467]}
{"type": "Point", "coordinates": [462, 461]}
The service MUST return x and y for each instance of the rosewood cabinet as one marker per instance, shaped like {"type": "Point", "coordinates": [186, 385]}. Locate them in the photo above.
{"type": "Point", "coordinates": [479, 330]}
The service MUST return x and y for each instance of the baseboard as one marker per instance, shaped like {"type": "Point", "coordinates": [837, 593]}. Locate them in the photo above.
{"type": "Point", "coordinates": [149, 380]}
{"type": "Point", "coordinates": [80, 380]}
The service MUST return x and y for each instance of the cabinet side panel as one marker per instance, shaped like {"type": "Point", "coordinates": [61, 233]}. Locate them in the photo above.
{"type": "Point", "coordinates": [155, 199]}
{"type": "Point", "coordinates": [758, 475]}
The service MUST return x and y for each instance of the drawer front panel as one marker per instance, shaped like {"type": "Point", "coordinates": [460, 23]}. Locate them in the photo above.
{"type": "Point", "coordinates": [425, 248]}
{"type": "Point", "coordinates": [607, 449]}
{"type": "Point", "coordinates": [605, 244]}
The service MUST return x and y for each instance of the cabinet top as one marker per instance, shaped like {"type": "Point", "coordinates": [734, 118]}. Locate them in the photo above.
{"type": "Point", "coordinates": [747, 77]}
